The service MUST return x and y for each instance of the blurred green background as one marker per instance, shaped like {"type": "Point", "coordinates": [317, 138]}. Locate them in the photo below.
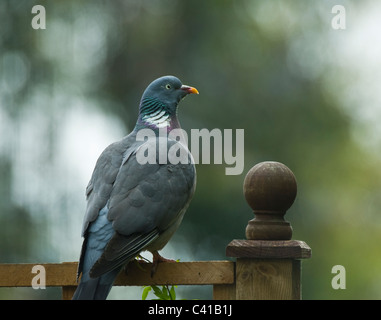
{"type": "Point", "coordinates": [306, 95]}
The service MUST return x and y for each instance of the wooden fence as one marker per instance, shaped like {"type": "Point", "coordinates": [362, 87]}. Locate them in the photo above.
{"type": "Point", "coordinates": [267, 264]}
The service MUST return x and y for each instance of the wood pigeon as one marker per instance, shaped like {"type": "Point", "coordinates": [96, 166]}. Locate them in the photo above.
{"type": "Point", "coordinates": [134, 206]}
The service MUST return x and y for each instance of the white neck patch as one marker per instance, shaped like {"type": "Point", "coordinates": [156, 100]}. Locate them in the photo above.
{"type": "Point", "coordinates": [159, 119]}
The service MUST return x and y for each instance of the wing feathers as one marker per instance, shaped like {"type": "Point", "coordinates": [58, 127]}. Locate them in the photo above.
{"type": "Point", "coordinates": [120, 250]}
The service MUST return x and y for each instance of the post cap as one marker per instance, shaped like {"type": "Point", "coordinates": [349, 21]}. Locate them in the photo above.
{"type": "Point", "coordinates": [270, 189]}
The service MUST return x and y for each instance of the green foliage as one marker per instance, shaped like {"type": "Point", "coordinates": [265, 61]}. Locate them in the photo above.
{"type": "Point", "coordinates": [163, 293]}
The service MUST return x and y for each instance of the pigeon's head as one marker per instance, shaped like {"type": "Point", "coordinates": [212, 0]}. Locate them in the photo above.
{"type": "Point", "coordinates": [159, 101]}
{"type": "Point", "coordinates": [168, 90]}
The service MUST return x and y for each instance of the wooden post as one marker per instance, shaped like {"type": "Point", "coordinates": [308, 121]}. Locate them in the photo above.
{"type": "Point", "coordinates": [268, 263]}
{"type": "Point", "coordinates": [68, 292]}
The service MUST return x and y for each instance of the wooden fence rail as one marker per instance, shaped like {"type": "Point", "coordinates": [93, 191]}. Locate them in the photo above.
{"type": "Point", "coordinates": [267, 266]}
{"type": "Point", "coordinates": [182, 273]}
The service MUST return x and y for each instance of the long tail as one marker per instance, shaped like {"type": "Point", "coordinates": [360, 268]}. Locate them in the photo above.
{"type": "Point", "coordinates": [95, 288]}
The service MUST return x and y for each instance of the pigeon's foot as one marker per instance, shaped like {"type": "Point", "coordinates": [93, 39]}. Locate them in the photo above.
{"type": "Point", "coordinates": [156, 258]}
{"type": "Point", "coordinates": [139, 261]}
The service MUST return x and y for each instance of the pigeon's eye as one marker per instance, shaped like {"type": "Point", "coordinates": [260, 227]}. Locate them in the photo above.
{"type": "Point", "coordinates": [168, 86]}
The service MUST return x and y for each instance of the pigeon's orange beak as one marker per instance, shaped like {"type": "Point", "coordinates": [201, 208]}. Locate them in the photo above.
{"type": "Point", "coordinates": [189, 89]}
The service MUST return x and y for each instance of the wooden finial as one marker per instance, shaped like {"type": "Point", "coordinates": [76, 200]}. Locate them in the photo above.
{"type": "Point", "coordinates": [270, 190]}
{"type": "Point", "coordinates": [268, 263]}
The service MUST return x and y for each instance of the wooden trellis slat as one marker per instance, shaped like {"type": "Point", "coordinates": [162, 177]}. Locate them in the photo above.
{"type": "Point", "coordinates": [137, 274]}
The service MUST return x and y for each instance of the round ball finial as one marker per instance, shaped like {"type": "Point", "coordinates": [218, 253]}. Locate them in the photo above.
{"type": "Point", "coordinates": [270, 190]}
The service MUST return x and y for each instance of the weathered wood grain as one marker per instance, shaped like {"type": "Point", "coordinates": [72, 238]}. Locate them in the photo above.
{"type": "Point", "coordinates": [263, 249]}
{"type": "Point", "coordinates": [179, 273]}
{"type": "Point", "coordinates": [268, 279]}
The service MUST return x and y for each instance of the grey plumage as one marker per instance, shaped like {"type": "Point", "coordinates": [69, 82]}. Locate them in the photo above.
{"type": "Point", "coordinates": [132, 207]}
